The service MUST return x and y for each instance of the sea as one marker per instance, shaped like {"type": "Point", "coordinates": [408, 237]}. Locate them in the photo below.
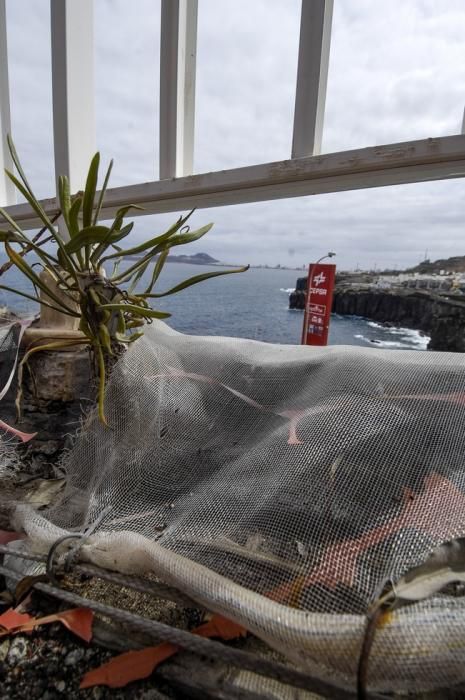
{"type": "Point", "coordinates": [253, 304]}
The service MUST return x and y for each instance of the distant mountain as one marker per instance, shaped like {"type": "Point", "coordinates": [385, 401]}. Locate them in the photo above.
{"type": "Point", "coordinates": [455, 264]}
{"type": "Point", "coordinates": [197, 259]}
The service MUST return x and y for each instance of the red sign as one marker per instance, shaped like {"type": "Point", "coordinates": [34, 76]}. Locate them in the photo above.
{"type": "Point", "coordinates": [320, 287]}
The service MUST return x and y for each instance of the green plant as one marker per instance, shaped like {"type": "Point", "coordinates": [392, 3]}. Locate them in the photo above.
{"type": "Point", "coordinates": [110, 315]}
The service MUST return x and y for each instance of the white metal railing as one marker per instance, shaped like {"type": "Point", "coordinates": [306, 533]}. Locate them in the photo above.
{"type": "Point", "coordinates": [7, 191]}
{"type": "Point", "coordinates": [304, 173]}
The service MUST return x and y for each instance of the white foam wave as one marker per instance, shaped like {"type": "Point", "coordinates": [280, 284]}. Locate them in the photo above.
{"type": "Point", "coordinates": [406, 337]}
{"type": "Point", "coordinates": [288, 291]}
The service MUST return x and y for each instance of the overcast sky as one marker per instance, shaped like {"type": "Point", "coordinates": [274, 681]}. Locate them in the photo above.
{"type": "Point", "coordinates": [397, 72]}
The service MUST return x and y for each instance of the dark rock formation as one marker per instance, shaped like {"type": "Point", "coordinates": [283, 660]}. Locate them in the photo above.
{"type": "Point", "coordinates": [441, 317]}
{"type": "Point", "coordinates": [298, 296]}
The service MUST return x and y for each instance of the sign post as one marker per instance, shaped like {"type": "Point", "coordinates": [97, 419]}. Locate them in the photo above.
{"type": "Point", "coordinates": [320, 288]}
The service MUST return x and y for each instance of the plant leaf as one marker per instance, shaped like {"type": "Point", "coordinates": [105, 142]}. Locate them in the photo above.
{"type": "Point", "coordinates": [37, 299]}
{"type": "Point", "coordinates": [32, 201]}
{"type": "Point", "coordinates": [86, 236]}
{"type": "Point", "coordinates": [68, 264]}
{"type": "Point", "coordinates": [185, 238]}
{"type": "Point", "coordinates": [122, 211]}
{"type": "Point", "coordinates": [16, 161]}
{"type": "Point", "coordinates": [166, 245]}
{"type": "Point", "coordinates": [128, 339]}
{"type": "Point", "coordinates": [35, 279]}
{"type": "Point", "coordinates": [137, 277]}
{"type": "Point", "coordinates": [89, 191]}
{"type": "Point", "coordinates": [30, 245]}
{"type": "Point", "coordinates": [138, 310]}
{"type": "Point", "coordinates": [126, 275]}
{"type": "Point", "coordinates": [159, 265]}
{"type": "Point", "coordinates": [195, 280]}
{"type": "Point", "coordinates": [158, 240]}
{"type": "Point", "coordinates": [73, 225]}
{"type": "Point", "coordinates": [113, 236]}
{"type": "Point", "coordinates": [101, 383]}
{"type": "Point", "coordinates": [65, 197]}
{"type": "Point", "coordinates": [12, 223]}
{"type": "Point", "coordinates": [102, 194]}
{"type": "Point", "coordinates": [12, 237]}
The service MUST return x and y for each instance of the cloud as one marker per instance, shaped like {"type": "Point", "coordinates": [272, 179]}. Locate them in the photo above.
{"type": "Point", "coordinates": [396, 73]}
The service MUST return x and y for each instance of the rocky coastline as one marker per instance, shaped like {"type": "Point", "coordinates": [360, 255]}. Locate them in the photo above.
{"type": "Point", "coordinates": [442, 317]}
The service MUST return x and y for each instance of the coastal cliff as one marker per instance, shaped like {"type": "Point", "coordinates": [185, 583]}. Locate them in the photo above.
{"type": "Point", "coordinates": [441, 317]}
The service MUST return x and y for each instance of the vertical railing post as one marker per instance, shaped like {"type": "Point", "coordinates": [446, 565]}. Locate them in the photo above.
{"type": "Point", "coordinates": [312, 74]}
{"type": "Point", "coordinates": [7, 190]}
{"type": "Point", "coordinates": [178, 48]}
{"type": "Point", "coordinates": [73, 88]}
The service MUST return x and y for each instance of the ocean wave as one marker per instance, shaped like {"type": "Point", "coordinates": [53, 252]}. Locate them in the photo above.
{"type": "Point", "coordinates": [405, 337]}
{"type": "Point", "coordinates": [288, 291]}
{"type": "Point", "coordinates": [408, 340]}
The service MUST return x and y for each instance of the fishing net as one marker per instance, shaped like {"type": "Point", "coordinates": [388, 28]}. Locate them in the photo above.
{"type": "Point", "coordinates": [281, 486]}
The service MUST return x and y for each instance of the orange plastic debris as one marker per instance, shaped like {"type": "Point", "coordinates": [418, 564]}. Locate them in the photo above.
{"type": "Point", "coordinates": [135, 665]}
{"type": "Point", "coordinates": [78, 621]}
{"type": "Point", "coordinates": [24, 437]}
{"type": "Point", "coordinates": [11, 619]}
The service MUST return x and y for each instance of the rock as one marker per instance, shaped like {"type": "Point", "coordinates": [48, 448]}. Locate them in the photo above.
{"type": "Point", "coordinates": [74, 657]}
{"type": "Point", "coordinates": [60, 686]}
{"type": "Point", "coordinates": [4, 649]}
{"type": "Point", "coordinates": [49, 695]}
{"type": "Point", "coordinates": [442, 318]}
{"type": "Point", "coordinates": [18, 651]}
{"type": "Point", "coordinates": [297, 299]}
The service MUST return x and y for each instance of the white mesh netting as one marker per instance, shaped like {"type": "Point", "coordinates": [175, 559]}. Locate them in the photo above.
{"type": "Point", "coordinates": [280, 486]}
{"type": "Point", "coordinates": [10, 339]}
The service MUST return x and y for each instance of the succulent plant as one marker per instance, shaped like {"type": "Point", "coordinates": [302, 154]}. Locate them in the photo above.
{"type": "Point", "coordinates": [113, 309]}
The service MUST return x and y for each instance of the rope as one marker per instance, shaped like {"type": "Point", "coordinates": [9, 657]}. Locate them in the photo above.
{"type": "Point", "coordinates": [153, 588]}
{"type": "Point", "coordinates": [199, 645]}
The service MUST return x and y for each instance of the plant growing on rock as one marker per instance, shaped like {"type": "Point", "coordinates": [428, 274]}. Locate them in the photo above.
{"type": "Point", "coordinates": [112, 310]}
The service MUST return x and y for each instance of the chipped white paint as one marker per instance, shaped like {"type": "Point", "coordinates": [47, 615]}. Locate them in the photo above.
{"type": "Point", "coordinates": [7, 191]}
{"type": "Point", "coordinates": [312, 75]}
{"type": "Point", "coordinates": [178, 48]}
{"type": "Point", "coordinates": [393, 164]}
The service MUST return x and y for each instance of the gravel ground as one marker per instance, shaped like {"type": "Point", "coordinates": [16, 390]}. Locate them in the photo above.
{"type": "Point", "coordinates": [50, 663]}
